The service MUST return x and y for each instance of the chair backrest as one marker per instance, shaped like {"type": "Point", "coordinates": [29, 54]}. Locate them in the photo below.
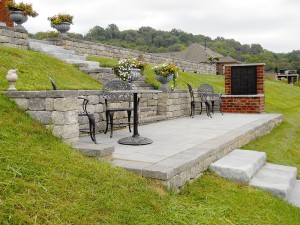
{"type": "Point", "coordinates": [116, 85]}
{"type": "Point", "coordinates": [206, 92]}
{"type": "Point", "coordinates": [191, 92]}
{"type": "Point", "coordinates": [207, 88]}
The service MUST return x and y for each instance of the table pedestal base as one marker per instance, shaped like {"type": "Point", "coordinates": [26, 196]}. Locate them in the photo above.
{"type": "Point", "coordinates": [135, 140]}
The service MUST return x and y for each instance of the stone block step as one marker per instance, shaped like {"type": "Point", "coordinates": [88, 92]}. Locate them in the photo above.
{"type": "Point", "coordinates": [98, 70]}
{"type": "Point", "coordinates": [294, 196]}
{"type": "Point", "coordinates": [277, 179]}
{"type": "Point", "coordinates": [84, 64]}
{"type": "Point", "coordinates": [64, 56]}
{"type": "Point", "coordinates": [102, 151]}
{"type": "Point", "coordinates": [239, 165]}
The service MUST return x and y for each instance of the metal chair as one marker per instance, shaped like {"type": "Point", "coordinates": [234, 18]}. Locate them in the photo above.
{"type": "Point", "coordinates": [210, 98]}
{"type": "Point", "coordinates": [92, 124]}
{"type": "Point", "coordinates": [193, 102]}
{"type": "Point", "coordinates": [117, 97]}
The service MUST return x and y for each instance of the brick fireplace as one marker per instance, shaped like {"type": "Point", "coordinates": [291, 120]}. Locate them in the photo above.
{"type": "Point", "coordinates": [244, 88]}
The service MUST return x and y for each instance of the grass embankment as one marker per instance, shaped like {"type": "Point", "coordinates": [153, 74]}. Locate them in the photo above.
{"type": "Point", "coordinates": [34, 70]}
{"type": "Point", "coordinates": [44, 181]}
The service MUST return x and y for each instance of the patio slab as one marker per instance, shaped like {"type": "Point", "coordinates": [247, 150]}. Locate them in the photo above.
{"type": "Point", "coordinates": [183, 148]}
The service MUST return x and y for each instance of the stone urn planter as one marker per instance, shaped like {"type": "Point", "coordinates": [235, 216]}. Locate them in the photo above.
{"type": "Point", "coordinates": [63, 28]}
{"type": "Point", "coordinates": [164, 80]}
{"type": "Point", "coordinates": [19, 18]}
{"type": "Point", "coordinates": [12, 78]}
{"type": "Point", "coordinates": [135, 74]}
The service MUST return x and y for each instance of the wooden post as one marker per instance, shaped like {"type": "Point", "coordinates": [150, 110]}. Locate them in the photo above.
{"type": "Point", "coordinates": [4, 14]}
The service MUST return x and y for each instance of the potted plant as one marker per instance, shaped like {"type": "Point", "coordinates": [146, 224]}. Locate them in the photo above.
{"type": "Point", "coordinates": [19, 12]}
{"type": "Point", "coordinates": [213, 59]}
{"type": "Point", "coordinates": [129, 69]}
{"type": "Point", "coordinates": [61, 23]}
{"type": "Point", "coordinates": [164, 73]}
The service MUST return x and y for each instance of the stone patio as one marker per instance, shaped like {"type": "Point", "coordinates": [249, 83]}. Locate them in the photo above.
{"type": "Point", "coordinates": [183, 148]}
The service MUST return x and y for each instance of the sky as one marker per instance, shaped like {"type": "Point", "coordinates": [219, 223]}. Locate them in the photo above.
{"type": "Point", "coordinates": [274, 24]}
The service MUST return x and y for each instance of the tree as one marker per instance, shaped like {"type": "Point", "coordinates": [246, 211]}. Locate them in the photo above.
{"type": "Point", "coordinates": [112, 31]}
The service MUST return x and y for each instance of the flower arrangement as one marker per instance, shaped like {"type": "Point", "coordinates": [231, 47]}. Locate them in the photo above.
{"type": "Point", "coordinates": [165, 69]}
{"type": "Point", "coordinates": [125, 66]}
{"type": "Point", "coordinates": [60, 18]}
{"type": "Point", "coordinates": [25, 8]}
{"type": "Point", "coordinates": [213, 58]}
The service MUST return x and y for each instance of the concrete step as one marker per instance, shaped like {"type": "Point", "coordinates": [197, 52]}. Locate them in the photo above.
{"type": "Point", "coordinates": [294, 196]}
{"type": "Point", "coordinates": [84, 64]}
{"type": "Point", "coordinates": [239, 165]}
{"type": "Point", "coordinates": [64, 56]}
{"type": "Point", "coordinates": [98, 70]}
{"type": "Point", "coordinates": [277, 179]}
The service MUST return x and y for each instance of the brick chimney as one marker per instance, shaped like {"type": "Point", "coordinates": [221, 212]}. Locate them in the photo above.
{"type": "Point", "coordinates": [4, 14]}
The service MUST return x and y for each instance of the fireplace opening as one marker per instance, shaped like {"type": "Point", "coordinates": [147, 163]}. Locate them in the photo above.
{"type": "Point", "coordinates": [243, 80]}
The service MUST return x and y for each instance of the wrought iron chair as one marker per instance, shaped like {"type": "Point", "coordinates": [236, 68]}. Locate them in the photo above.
{"type": "Point", "coordinates": [193, 101]}
{"type": "Point", "coordinates": [92, 124]}
{"type": "Point", "coordinates": [210, 98]}
{"type": "Point", "coordinates": [117, 97]}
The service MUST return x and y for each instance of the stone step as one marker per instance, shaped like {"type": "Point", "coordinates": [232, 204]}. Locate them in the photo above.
{"type": "Point", "coordinates": [107, 70]}
{"type": "Point", "coordinates": [277, 179]}
{"type": "Point", "coordinates": [64, 56]}
{"type": "Point", "coordinates": [83, 64]}
{"type": "Point", "coordinates": [99, 151]}
{"type": "Point", "coordinates": [239, 165]}
{"type": "Point", "coordinates": [294, 196]}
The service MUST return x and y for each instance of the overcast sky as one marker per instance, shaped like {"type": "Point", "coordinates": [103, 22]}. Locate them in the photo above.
{"type": "Point", "coordinates": [275, 24]}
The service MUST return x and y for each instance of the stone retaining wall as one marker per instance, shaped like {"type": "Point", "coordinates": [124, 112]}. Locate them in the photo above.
{"type": "Point", "coordinates": [108, 51]}
{"type": "Point", "coordinates": [13, 37]}
{"type": "Point", "coordinates": [58, 110]}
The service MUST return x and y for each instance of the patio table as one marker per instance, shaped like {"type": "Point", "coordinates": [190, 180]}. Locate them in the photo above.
{"type": "Point", "coordinates": [135, 139]}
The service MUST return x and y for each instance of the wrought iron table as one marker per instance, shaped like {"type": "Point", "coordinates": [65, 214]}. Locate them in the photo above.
{"type": "Point", "coordinates": [136, 139]}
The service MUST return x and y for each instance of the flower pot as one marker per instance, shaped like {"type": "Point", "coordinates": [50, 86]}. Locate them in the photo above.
{"type": "Point", "coordinates": [135, 74]}
{"type": "Point", "coordinates": [19, 18]}
{"type": "Point", "coordinates": [164, 80]}
{"type": "Point", "coordinates": [63, 28]}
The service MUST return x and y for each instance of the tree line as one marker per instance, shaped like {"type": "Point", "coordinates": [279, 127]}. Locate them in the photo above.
{"type": "Point", "coordinates": [147, 39]}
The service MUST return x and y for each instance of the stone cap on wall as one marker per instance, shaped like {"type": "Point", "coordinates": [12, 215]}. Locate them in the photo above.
{"type": "Point", "coordinates": [243, 96]}
{"type": "Point", "coordinates": [248, 64]}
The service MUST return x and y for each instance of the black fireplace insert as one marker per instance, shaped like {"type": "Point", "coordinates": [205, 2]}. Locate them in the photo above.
{"type": "Point", "coordinates": [243, 80]}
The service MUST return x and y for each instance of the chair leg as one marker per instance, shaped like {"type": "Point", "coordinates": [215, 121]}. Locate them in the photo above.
{"type": "Point", "coordinates": [107, 122]}
{"type": "Point", "coordinates": [221, 108]}
{"type": "Point", "coordinates": [208, 109]}
{"type": "Point", "coordinates": [192, 109]}
{"type": "Point", "coordinates": [111, 121]}
{"type": "Point", "coordinates": [129, 116]}
{"type": "Point", "coordinates": [200, 108]}
{"type": "Point", "coordinates": [92, 127]}
{"type": "Point", "coordinates": [212, 106]}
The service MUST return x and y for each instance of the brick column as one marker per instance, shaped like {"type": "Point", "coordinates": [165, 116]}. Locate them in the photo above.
{"type": "Point", "coordinates": [4, 13]}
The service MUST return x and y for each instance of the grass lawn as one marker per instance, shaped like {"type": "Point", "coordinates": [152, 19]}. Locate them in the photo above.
{"type": "Point", "coordinates": [44, 181]}
{"type": "Point", "coordinates": [34, 70]}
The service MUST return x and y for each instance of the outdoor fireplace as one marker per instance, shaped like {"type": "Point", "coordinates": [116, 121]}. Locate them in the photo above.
{"type": "Point", "coordinates": [244, 88]}
{"type": "Point", "coordinates": [243, 80]}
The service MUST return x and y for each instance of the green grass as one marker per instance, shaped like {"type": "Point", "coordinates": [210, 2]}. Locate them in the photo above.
{"type": "Point", "coordinates": [282, 145]}
{"type": "Point", "coordinates": [34, 70]}
{"type": "Point", "coordinates": [44, 181]}
{"type": "Point", "coordinates": [104, 62]}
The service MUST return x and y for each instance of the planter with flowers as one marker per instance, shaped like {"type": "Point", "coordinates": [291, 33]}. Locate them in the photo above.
{"type": "Point", "coordinates": [19, 13]}
{"type": "Point", "coordinates": [62, 23]}
{"type": "Point", "coordinates": [129, 69]}
{"type": "Point", "coordinates": [165, 73]}
{"type": "Point", "coordinates": [213, 59]}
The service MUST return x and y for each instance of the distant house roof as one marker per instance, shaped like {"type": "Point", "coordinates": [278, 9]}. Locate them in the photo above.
{"type": "Point", "coordinates": [199, 53]}
{"type": "Point", "coordinates": [227, 59]}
